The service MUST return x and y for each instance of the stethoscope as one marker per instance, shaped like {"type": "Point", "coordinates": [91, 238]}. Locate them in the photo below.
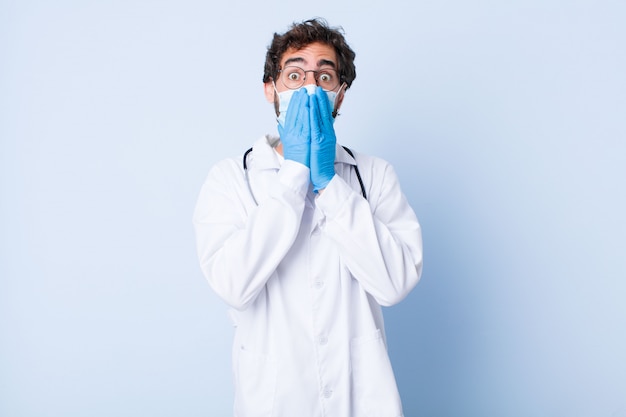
{"type": "Point", "coordinates": [245, 170]}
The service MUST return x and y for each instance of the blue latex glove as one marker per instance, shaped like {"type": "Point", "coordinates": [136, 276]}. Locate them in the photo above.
{"type": "Point", "coordinates": [323, 140]}
{"type": "Point", "coordinates": [296, 134]}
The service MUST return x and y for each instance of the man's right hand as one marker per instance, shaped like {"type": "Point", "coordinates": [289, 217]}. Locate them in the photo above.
{"type": "Point", "coordinates": [295, 136]}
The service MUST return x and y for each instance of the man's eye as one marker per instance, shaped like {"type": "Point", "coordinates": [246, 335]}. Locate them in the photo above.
{"type": "Point", "coordinates": [293, 76]}
{"type": "Point", "coordinates": [325, 77]}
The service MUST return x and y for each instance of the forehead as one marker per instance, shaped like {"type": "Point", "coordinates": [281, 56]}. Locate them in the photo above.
{"type": "Point", "coordinates": [311, 55]}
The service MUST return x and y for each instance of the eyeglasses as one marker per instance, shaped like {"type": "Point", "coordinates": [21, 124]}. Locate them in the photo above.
{"type": "Point", "coordinates": [294, 77]}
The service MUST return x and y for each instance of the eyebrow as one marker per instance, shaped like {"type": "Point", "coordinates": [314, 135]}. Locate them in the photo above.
{"type": "Point", "coordinates": [320, 63]}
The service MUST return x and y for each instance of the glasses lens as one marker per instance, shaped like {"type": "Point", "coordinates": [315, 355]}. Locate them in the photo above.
{"type": "Point", "coordinates": [293, 77]}
{"type": "Point", "coordinates": [327, 79]}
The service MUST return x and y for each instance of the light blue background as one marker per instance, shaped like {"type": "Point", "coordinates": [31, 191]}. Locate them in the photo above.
{"type": "Point", "coordinates": [506, 122]}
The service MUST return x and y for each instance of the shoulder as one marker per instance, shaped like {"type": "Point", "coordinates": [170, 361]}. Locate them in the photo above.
{"type": "Point", "coordinates": [378, 176]}
{"type": "Point", "coordinates": [226, 168]}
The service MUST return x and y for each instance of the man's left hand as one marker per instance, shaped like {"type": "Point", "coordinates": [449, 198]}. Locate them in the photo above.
{"type": "Point", "coordinates": [323, 140]}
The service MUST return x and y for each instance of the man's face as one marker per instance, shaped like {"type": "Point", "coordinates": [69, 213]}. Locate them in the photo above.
{"type": "Point", "coordinates": [316, 57]}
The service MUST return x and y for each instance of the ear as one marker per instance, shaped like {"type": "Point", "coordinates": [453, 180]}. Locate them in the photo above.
{"type": "Point", "coordinates": [268, 89]}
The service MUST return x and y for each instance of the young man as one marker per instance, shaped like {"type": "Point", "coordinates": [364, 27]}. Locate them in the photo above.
{"type": "Point", "coordinates": [306, 240]}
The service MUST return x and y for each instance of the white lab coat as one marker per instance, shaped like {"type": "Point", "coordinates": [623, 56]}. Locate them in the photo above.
{"type": "Point", "coordinates": [306, 275]}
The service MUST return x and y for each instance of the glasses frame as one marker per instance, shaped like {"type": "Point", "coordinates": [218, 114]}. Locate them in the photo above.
{"type": "Point", "coordinates": [315, 76]}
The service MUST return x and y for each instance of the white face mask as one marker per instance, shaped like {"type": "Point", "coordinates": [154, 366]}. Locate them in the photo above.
{"type": "Point", "coordinates": [285, 97]}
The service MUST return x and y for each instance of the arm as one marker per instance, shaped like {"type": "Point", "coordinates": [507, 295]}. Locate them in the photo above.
{"type": "Point", "coordinates": [382, 246]}
{"type": "Point", "coordinates": [241, 245]}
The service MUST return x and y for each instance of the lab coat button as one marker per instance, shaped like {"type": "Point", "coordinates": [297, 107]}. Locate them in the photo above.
{"type": "Point", "coordinates": [318, 285]}
{"type": "Point", "coordinates": [323, 340]}
{"type": "Point", "coordinates": [327, 392]}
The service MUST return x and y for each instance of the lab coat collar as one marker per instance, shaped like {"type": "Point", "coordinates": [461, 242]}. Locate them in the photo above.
{"type": "Point", "coordinates": [265, 156]}
{"type": "Point", "coordinates": [341, 155]}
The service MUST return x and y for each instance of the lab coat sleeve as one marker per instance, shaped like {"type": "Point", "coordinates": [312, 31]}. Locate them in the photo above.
{"type": "Point", "coordinates": [381, 245]}
{"type": "Point", "coordinates": [240, 244]}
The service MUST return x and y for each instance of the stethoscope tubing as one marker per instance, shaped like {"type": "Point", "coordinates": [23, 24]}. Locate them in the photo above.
{"type": "Point", "coordinates": [247, 177]}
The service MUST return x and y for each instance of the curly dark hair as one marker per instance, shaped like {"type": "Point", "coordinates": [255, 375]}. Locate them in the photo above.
{"type": "Point", "coordinates": [304, 33]}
